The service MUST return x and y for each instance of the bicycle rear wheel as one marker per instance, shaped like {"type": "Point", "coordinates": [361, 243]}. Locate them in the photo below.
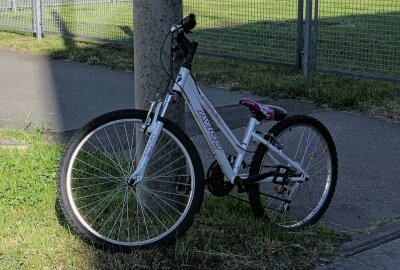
{"type": "Point", "coordinates": [104, 209]}
{"type": "Point", "coordinates": [306, 141]}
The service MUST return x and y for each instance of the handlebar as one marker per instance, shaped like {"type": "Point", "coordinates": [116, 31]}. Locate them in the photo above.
{"type": "Point", "coordinates": [185, 25]}
{"type": "Point", "coordinates": [188, 47]}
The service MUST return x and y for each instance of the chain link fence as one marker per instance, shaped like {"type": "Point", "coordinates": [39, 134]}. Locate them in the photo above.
{"type": "Point", "coordinates": [108, 20]}
{"type": "Point", "coordinates": [352, 37]}
{"type": "Point", "coordinates": [258, 30]}
{"type": "Point", "coordinates": [16, 15]}
{"type": "Point", "coordinates": [358, 37]}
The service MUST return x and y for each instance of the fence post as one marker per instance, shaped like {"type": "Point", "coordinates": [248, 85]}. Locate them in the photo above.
{"type": "Point", "coordinates": [14, 5]}
{"type": "Point", "coordinates": [37, 18]}
{"type": "Point", "coordinates": [307, 40]}
{"type": "Point", "coordinates": [315, 40]}
{"type": "Point", "coordinates": [299, 37]}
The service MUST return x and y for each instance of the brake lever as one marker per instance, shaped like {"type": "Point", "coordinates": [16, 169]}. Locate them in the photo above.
{"type": "Point", "coordinates": [175, 28]}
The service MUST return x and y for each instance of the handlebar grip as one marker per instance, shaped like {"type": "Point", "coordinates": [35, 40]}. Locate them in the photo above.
{"type": "Point", "coordinates": [189, 22]}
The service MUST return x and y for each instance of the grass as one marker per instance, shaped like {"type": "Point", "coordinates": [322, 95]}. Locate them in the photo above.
{"type": "Point", "coordinates": [223, 236]}
{"type": "Point", "coordinates": [343, 93]}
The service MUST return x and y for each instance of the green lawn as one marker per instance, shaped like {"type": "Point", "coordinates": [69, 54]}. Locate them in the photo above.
{"type": "Point", "coordinates": [34, 236]}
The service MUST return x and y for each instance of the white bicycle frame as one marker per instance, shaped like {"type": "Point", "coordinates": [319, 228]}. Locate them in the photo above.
{"type": "Point", "coordinates": [199, 105]}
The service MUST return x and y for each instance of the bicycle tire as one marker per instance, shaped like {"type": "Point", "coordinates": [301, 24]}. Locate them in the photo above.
{"type": "Point", "coordinates": [152, 208]}
{"type": "Point", "coordinates": [283, 135]}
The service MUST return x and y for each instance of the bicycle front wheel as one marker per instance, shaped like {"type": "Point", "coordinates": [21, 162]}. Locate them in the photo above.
{"type": "Point", "coordinates": [104, 209]}
{"type": "Point", "coordinates": [306, 141]}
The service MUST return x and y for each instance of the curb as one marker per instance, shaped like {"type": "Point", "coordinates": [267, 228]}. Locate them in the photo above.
{"type": "Point", "coordinates": [375, 238]}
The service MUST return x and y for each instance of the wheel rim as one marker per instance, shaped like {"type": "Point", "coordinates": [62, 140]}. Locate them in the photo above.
{"type": "Point", "coordinates": [144, 213]}
{"type": "Point", "coordinates": [306, 145]}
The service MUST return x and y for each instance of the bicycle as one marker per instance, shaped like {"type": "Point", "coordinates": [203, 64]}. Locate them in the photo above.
{"type": "Point", "coordinates": [133, 179]}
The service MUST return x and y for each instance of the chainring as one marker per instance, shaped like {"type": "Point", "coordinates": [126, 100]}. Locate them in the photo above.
{"type": "Point", "coordinates": [215, 181]}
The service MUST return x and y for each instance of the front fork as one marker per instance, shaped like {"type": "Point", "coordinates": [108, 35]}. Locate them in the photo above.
{"type": "Point", "coordinates": [152, 126]}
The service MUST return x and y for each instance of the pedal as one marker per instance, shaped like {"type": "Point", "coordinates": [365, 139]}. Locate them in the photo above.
{"type": "Point", "coordinates": [283, 173]}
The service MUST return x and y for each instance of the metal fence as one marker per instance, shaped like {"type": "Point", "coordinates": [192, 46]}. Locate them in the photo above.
{"type": "Point", "coordinates": [16, 15]}
{"type": "Point", "coordinates": [106, 20]}
{"type": "Point", "coordinates": [258, 30]}
{"type": "Point", "coordinates": [91, 19]}
{"type": "Point", "coordinates": [358, 38]}
{"type": "Point", "coordinates": [351, 37]}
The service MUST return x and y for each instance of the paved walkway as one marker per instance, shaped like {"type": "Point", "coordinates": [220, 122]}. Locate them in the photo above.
{"type": "Point", "coordinates": [64, 95]}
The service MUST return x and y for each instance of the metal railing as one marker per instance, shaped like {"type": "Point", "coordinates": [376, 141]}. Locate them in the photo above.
{"type": "Point", "coordinates": [351, 37]}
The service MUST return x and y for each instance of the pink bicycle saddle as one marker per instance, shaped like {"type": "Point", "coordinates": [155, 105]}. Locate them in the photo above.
{"type": "Point", "coordinates": [263, 111]}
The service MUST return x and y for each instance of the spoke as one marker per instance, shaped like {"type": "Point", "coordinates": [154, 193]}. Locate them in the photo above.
{"type": "Point", "coordinates": [127, 217]}
{"type": "Point", "coordinates": [92, 174]}
{"type": "Point", "coordinates": [102, 161]}
{"type": "Point", "coordinates": [154, 215]}
{"type": "Point", "coordinates": [170, 193]}
{"type": "Point", "coordinates": [87, 196]}
{"type": "Point", "coordinates": [144, 218]}
{"type": "Point", "coordinates": [316, 163]}
{"type": "Point", "coordinates": [115, 194]}
{"type": "Point", "coordinates": [91, 166]}
{"type": "Point", "coordinates": [298, 147]}
{"type": "Point", "coordinates": [165, 145]}
{"type": "Point", "coordinates": [159, 197]}
{"type": "Point", "coordinates": [130, 147]}
{"type": "Point", "coordinates": [167, 166]}
{"type": "Point", "coordinates": [126, 195]}
{"type": "Point", "coordinates": [111, 217]}
{"type": "Point", "coordinates": [158, 142]}
{"type": "Point", "coordinates": [283, 216]}
{"type": "Point", "coordinates": [318, 170]}
{"type": "Point", "coordinates": [112, 147]}
{"type": "Point", "coordinates": [164, 174]}
{"type": "Point", "coordinates": [168, 182]}
{"type": "Point", "coordinates": [162, 156]}
{"type": "Point", "coordinates": [167, 176]}
{"type": "Point", "coordinates": [308, 143]}
{"type": "Point", "coordinates": [93, 185]}
{"type": "Point", "coordinates": [96, 178]}
{"type": "Point", "coordinates": [122, 147]}
{"type": "Point", "coordinates": [124, 201]}
{"type": "Point", "coordinates": [167, 198]}
{"type": "Point", "coordinates": [137, 218]}
{"type": "Point", "coordinates": [137, 148]}
{"type": "Point", "coordinates": [152, 196]}
{"type": "Point", "coordinates": [131, 165]}
{"type": "Point", "coordinates": [101, 200]}
{"type": "Point", "coordinates": [105, 151]}
{"type": "Point", "coordinates": [313, 152]}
